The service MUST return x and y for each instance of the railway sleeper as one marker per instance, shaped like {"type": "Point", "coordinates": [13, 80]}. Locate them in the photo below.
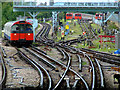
{"type": "Point", "coordinates": [76, 81]}
{"type": "Point", "coordinates": [67, 81]}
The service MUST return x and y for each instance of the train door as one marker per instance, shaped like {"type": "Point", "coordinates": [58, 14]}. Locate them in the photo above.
{"type": "Point", "coordinates": [22, 32]}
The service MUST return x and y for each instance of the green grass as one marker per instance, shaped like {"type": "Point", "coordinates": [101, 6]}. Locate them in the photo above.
{"type": "Point", "coordinates": [105, 47]}
{"type": "Point", "coordinates": [84, 63]}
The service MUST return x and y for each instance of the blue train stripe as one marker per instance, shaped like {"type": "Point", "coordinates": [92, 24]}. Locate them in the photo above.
{"type": "Point", "coordinates": [8, 37]}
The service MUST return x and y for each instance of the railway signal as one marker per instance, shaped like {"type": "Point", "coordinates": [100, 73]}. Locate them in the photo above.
{"type": "Point", "coordinates": [84, 33]}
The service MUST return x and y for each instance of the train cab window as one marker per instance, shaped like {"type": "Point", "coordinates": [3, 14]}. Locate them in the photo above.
{"type": "Point", "coordinates": [97, 14]}
{"type": "Point", "coordinates": [29, 28]}
{"type": "Point", "coordinates": [14, 28]}
{"type": "Point", "coordinates": [69, 14]}
{"type": "Point", "coordinates": [76, 15]}
{"type": "Point", "coordinates": [22, 27]}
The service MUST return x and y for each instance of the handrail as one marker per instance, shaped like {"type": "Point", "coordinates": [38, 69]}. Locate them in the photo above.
{"type": "Point", "coordinates": [64, 4]}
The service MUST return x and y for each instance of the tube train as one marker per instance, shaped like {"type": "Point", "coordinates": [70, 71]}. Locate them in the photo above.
{"type": "Point", "coordinates": [18, 32]}
{"type": "Point", "coordinates": [73, 16]}
{"type": "Point", "coordinates": [98, 16]}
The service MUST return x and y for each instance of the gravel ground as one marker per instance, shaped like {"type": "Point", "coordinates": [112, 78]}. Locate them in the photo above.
{"type": "Point", "coordinates": [16, 66]}
{"type": "Point", "coordinates": [26, 75]}
{"type": "Point", "coordinates": [108, 75]}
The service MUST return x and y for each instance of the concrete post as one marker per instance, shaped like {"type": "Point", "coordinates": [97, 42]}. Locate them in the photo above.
{"type": "Point", "coordinates": [33, 15]}
{"type": "Point", "coordinates": [54, 15]}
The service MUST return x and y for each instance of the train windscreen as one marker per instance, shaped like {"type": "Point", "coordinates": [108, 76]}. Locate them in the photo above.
{"type": "Point", "coordinates": [69, 14]}
{"type": "Point", "coordinates": [77, 14]}
{"type": "Point", "coordinates": [21, 28]}
{"type": "Point", "coordinates": [97, 14]}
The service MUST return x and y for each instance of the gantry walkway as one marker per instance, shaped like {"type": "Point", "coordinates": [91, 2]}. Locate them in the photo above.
{"type": "Point", "coordinates": [66, 6]}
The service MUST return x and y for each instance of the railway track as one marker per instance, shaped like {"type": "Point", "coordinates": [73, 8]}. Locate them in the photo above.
{"type": "Point", "coordinates": [91, 69]}
{"type": "Point", "coordinates": [3, 70]}
{"type": "Point", "coordinates": [65, 49]}
{"type": "Point", "coordinates": [103, 56]}
{"type": "Point", "coordinates": [64, 69]}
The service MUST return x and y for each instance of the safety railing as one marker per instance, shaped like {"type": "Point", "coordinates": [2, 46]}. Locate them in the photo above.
{"type": "Point", "coordinates": [20, 3]}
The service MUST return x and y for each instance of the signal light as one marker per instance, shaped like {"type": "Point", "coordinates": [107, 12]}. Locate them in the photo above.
{"type": "Point", "coordinates": [84, 33]}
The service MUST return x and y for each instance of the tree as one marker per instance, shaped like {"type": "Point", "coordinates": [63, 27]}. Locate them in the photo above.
{"type": "Point", "coordinates": [8, 14]}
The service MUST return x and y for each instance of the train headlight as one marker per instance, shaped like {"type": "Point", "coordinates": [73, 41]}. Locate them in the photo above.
{"type": "Point", "coordinates": [15, 34]}
{"type": "Point", "coordinates": [28, 33]}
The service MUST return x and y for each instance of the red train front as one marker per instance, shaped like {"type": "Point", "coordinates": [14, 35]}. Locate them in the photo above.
{"type": "Point", "coordinates": [100, 16]}
{"type": "Point", "coordinates": [97, 16]}
{"type": "Point", "coordinates": [69, 15]}
{"type": "Point", "coordinates": [78, 16]}
{"type": "Point", "coordinates": [18, 32]}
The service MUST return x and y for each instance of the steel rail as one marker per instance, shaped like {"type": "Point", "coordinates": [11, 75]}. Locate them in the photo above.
{"type": "Point", "coordinates": [104, 56]}
{"type": "Point", "coordinates": [67, 68]}
{"type": "Point", "coordinates": [46, 56]}
{"type": "Point", "coordinates": [4, 54]}
{"type": "Point", "coordinates": [101, 74]}
{"type": "Point", "coordinates": [39, 50]}
{"type": "Point", "coordinates": [50, 80]}
{"type": "Point", "coordinates": [93, 72]}
{"type": "Point", "coordinates": [91, 29]}
{"type": "Point", "coordinates": [87, 87]}
{"type": "Point", "coordinates": [4, 73]}
{"type": "Point", "coordinates": [64, 56]}
{"type": "Point", "coordinates": [40, 58]}
{"type": "Point", "coordinates": [27, 59]}
{"type": "Point", "coordinates": [92, 51]}
{"type": "Point", "coordinates": [80, 62]}
{"type": "Point", "coordinates": [40, 31]}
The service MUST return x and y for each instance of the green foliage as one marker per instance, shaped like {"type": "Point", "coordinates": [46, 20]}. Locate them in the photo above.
{"type": "Point", "coordinates": [8, 14]}
{"type": "Point", "coordinates": [44, 15]}
{"type": "Point", "coordinates": [111, 25]}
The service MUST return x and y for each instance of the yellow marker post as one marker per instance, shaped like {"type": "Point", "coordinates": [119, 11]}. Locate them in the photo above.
{"type": "Point", "coordinates": [67, 27]}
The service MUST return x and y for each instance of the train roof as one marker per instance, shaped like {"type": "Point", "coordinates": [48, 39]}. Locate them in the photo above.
{"type": "Point", "coordinates": [69, 13]}
{"type": "Point", "coordinates": [11, 23]}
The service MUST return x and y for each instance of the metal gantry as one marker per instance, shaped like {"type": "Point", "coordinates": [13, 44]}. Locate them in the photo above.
{"type": "Point", "coordinates": [54, 16]}
{"type": "Point", "coordinates": [21, 5]}
{"type": "Point", "coordinates": [34, 14]}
